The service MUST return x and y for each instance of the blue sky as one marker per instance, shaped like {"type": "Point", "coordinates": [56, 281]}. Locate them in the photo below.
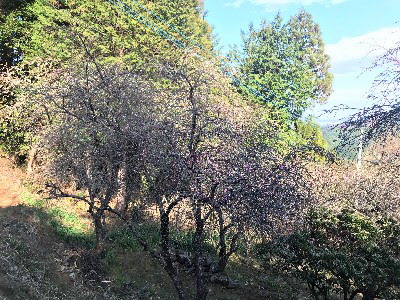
{"type": "Point", "coordinates": [351, 29]}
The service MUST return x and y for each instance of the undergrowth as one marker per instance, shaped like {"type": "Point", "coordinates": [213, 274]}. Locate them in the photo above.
{"type": "Point", "coordinates": [68, 224]}
{"type": "Point", "coordinates": [134, 272]}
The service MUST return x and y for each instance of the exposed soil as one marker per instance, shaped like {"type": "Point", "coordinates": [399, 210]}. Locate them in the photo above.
{"type": "Point", "coordinates": [10, 183]}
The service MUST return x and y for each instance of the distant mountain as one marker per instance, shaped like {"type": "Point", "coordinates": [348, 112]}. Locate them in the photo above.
{"type": "Point", "coordinates": [345, 149]}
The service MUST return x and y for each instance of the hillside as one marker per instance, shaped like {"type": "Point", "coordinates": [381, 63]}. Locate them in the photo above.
{"type": "Point", "coordinates": [335, 143]}
{"type": "Point", "coordinates": [34, 263]}
{"type": "Point", "coordinates": [10, 183]}
{"type": "Point", "coordinates": [45, 254]}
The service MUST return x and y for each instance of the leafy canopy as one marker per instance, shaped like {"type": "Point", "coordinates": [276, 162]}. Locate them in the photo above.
{"type": "Point", "coordinates": [42, 28]}
{"type": "Point", "coordinates": [286, 64]}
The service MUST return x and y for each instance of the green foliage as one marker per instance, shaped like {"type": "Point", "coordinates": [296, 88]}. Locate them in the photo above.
{"type": "Point", "coordinates": [61, 32]}
{"type": "Point", "coordinates": [43, 29]}
{"type": "Point", "coordinates": [20, 121]}
{"type": "Point", "coordinates": [302, 134]}
{"type": "Point", "coordinates": [13, 139]}
{"type": "Point", "coordinates": [286, 63]}
{"type": "Point", "coordinates": [345, 253]}
{"type": "Point", "coordinates": [309, 132]}
{"type": "Point", "coordinates": [11, 29]}
{"type": "Point", "coordinates": [305, 133]}
{"type": "Point", "coordinates": [122, 238]}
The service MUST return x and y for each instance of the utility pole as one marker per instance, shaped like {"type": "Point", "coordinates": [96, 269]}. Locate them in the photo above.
{"type": "Point", "coordinates": [360, 149]}
{"type": "Point", "coordinates": [359, 163]}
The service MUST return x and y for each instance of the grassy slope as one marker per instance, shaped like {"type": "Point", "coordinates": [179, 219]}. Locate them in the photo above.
{"type": "Point", "coordinates": [44, 255]}
{"type": "Point", "coordinates": [32, 261]}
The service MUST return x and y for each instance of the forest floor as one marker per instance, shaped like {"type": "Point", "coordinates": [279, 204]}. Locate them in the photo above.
{"type": "Point", "coordinates": [45, 254]}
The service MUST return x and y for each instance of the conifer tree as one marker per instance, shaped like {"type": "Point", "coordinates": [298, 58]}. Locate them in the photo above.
{"type": "Point", "coordinates": [286, 64]}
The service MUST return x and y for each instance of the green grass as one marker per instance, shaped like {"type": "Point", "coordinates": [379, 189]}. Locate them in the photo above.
{"type": "Point", "coordinates": [68, 225]}
{"type": "Point", "coordinates": [30, 200]}
{"type": "Point", "coordinates": [123, 239]}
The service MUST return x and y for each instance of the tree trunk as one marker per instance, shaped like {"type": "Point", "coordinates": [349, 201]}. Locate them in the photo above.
{"type": "Point", "coordinates": [368, 295]}
{"type": "Point", "coordinates": [31, 159]}
{"type": "Point", "coordinates": [222, 257]}
{"type": "Point", "coordinates": [224, 254]}
{"type": "Point", "coordinates": [122, 193]}
{"type": "Point", "coordinates": [99, 231]}
{"type": "Point", "coordinates": [166, 254]}
{"type": "Point", "coordinates": [353, 295]}
{"type": "Point", "coordinates": [201, 278]}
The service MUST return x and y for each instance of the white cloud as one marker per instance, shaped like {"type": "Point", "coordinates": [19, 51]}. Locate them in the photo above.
{"type": "Point", "coordinates": [349, 58]}
{"type": "Point", "coordinates": [343, 102]}
{"type": "Point", "coordinates": [235, 3]}
{"type": "Point", "coordinates": [352, 53]}
{"type": "Point", "coordinates": [277, 3]}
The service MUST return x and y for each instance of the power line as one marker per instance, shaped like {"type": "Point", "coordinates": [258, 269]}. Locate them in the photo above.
{"type": "Point", "coordinates": [168, 24]}
{"type": "Point", "coordinates": [137, 16]}
{"type": "Point", "coordinates": [165, 34]}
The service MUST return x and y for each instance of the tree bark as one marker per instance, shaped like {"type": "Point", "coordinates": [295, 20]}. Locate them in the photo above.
{"type": "Point", "coordinates": [31, 159]}
{"type": "Point", "coordinates": [368, 295]}
{"type": "Point", "coordinates": [353, 295]}
{"type": "Point", "coordinates": [166, 254]}
{"type": "Point", "coordinates": [99, 231]}
{"type": "Point", "coordinates": [201, 278]}
{"type": "Point", "coordinates": [122, 193]}
{"type": "Point", "coordinates": [224, 254]}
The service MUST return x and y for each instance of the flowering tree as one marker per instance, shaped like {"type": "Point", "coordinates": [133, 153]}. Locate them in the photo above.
{"type": "Point", "coordinates": [97, 134]}
{"type": "Point", "coordinates": [216, 161]}
{"type": "Point", "coordinates": [372, 190]}
{"type": "Point", "coordinates": [180, 136]}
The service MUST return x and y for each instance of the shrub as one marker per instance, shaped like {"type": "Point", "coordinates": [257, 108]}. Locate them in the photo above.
{"type": "Point", "coordinates": [345, 253]}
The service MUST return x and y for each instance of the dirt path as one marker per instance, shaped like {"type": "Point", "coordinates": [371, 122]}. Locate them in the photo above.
{"type": "Point", "coordinates": [10, 183]}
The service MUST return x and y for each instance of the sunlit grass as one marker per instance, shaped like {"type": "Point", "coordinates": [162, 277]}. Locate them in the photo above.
{"type": "Point", "coordinates": [63, 217]}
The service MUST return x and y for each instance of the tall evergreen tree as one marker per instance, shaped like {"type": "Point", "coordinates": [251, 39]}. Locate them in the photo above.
{"type": "Point", "coordinates": [123, 30]}
{"type": "Point", "coordinates": [286, 64]}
